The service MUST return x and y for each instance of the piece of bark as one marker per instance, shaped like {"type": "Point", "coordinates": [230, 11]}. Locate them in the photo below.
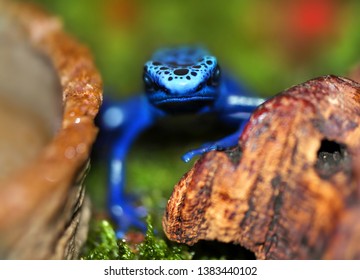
{"type": "Point", "coordinates": [44, 212]}
{"type": "Point", "coordinates": [290, 190]}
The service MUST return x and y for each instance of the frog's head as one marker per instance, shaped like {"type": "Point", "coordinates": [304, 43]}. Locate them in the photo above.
{"type": "Point", "coordinates": [182, 79]}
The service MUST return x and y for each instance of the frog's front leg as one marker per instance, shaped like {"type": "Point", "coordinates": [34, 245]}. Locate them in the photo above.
{"type": "Point", "coordinates": [219, 145]}
{"type": "Point", "coordinates": [123, 121]}
{"type": "Point", "coordinates": [234, 107]}
{"type": "Point", "coordinates": [241, 118]}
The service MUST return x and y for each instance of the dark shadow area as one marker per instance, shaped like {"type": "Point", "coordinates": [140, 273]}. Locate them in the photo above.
{"type": "Point", "coordinates": [219, 250]}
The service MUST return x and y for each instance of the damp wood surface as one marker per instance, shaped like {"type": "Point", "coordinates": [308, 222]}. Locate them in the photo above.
{"type": "Point", "coordinates": [290, 190]}
{"type": "Point", "coordinates": [44, 211]}
{"type": "Point", "coordinates": [23, 135]}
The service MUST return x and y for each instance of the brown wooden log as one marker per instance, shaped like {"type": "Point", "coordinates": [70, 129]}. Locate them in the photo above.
{"type": "Point", "coordinates": [44, 213]}
{"type": "Point", "coordinates": [290, 190]}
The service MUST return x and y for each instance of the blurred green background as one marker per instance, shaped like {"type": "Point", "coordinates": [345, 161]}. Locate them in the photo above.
{"type": "Point", "coordinates": [270, 45]}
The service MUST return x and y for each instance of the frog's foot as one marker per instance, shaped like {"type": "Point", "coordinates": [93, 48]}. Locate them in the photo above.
{"type": "Point", "coordinates": [223, 144]}
{"type": "Point", "coordinates": [127, 216]}
{"type": "Point", "coordinates": [220, 145]}
{"type": "Point", "coordinates": [199, 151]}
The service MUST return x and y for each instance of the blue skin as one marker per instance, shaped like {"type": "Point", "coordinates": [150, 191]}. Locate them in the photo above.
{"type": "Point", "coordinates": [183, 80]}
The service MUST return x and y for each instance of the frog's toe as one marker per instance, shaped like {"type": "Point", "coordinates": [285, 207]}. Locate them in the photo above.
{"type": "Point", "coordinates": [199, 151]}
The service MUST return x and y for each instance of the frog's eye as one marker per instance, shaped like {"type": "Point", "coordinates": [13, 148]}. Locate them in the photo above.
{"type": "Point", "coordinates": [215, 77]}
{"type": "Point", "coordinates": [149, 83]}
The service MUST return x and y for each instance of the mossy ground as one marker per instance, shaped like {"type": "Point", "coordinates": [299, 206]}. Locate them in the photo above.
{"type": "Point", "coordinates": [103, 245]}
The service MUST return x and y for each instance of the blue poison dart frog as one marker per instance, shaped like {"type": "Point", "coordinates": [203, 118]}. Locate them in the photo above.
{"type": "Point", "coordinates": [181, 80]}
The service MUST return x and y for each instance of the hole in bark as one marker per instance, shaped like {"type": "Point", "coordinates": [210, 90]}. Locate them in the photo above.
{"type": "Point", "coordinates": [332, 157]}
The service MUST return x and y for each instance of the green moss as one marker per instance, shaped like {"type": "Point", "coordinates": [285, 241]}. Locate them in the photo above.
{"type": "Point", "coordinates": [155, 248]}
{"type": "Point", "coordinates": [103, 245]}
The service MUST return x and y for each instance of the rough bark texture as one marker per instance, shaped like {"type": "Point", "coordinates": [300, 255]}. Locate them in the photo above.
{"type": "Point", "coordinates": [290, 190]}
{"type": "Point", "coordinates": [43, 214]}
